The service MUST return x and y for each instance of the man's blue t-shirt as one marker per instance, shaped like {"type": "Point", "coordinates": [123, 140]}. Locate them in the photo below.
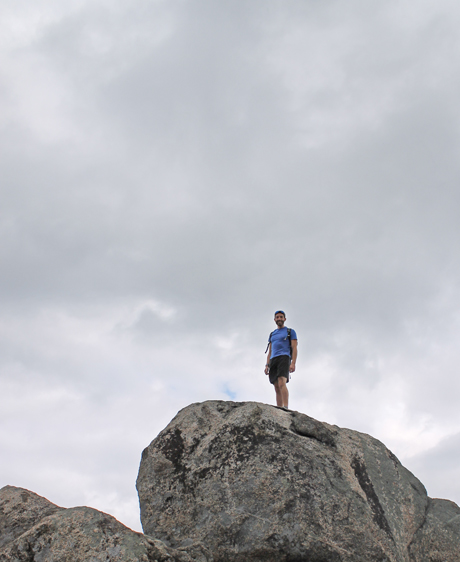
{"type": "Point", "coordinates": [280, 342]}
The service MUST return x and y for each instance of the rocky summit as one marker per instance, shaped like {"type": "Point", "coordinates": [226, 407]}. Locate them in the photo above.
{"type": "Point", "coordinates": [254, 482]}
{"type": "Point", "coordinates": [234, 482]}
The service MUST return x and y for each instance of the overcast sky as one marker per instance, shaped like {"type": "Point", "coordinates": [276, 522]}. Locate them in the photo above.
{"type": "Point", "coordinates": [173, 172]}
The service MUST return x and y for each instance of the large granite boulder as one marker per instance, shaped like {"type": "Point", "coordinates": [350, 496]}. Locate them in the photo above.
{"type": "Point", "coordinates": [32, 529]}
{"type": "Point", "coordinates": [256, 483]}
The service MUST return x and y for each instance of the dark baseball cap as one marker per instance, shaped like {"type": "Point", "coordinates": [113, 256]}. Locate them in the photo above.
{"type": "Point", "coordinates": [280, 312]}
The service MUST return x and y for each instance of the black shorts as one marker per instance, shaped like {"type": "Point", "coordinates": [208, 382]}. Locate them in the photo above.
{"type": "Point", "coordinates": [279, 367]}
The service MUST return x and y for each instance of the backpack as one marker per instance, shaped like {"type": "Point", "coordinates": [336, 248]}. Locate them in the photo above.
{"type": "Point", "coordinates": [288, 336]}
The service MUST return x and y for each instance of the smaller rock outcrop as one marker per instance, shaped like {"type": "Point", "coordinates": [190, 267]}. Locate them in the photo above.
{"type": "Point", "coordinates": [20, 510]}
{"type": "Point", "coordinates": [32, 529]}
{"type": "Point", "coordinates": [438, 539]}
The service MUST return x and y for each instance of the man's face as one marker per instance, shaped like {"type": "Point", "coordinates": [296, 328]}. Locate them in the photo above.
{"type": "Point", "coordinates": [280, 319]}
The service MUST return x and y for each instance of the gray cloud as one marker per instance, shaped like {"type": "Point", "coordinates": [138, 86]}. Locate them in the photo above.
{"type": "Point", "coordinates": [173, 173]}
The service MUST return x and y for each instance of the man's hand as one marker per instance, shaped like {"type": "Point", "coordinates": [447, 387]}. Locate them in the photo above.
{"type": "Point", "coordinates": [267, 360]}
{"type": "Point", "coordinates": [292, 367]}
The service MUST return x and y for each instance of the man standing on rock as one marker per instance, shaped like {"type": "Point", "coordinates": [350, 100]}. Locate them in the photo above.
{"type": "Point", "coordinates": [281, 358]}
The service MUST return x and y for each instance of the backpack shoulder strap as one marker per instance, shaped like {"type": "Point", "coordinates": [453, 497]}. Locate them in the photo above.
{"type": "Point", "coordinates": [269, 342]}
{"type": "Point", "coordinates": [290, 342]}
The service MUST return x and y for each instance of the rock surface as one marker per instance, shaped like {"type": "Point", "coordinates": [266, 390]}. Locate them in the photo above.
{"type": "Point", "coordinates": [32, 529]}
{"type": "Point", "coordinates": [256, 483]}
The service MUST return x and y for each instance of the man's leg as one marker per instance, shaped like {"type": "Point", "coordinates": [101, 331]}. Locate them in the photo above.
{"type": "Point", "coordinates": [279, 398]}
{"type": "Point", "coordinates": [282, 392]}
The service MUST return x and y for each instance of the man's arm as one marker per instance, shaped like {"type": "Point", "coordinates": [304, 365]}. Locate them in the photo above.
{"type": "Point", "coordinates": [294, 356]}
{"type": "Point", "coordinates": [267, 362]}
